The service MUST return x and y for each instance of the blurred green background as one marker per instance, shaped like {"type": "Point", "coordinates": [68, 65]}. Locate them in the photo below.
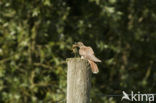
{"type": "Point", "coordinates": [36, 37]}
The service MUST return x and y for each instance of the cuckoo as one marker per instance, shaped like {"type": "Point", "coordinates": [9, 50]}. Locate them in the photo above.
{"type": "Point", "coordinates": [87, 52]}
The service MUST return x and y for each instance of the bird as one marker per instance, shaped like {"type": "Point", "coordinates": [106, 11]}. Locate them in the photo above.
{"type": "Point", "coordinates": [86, 52]}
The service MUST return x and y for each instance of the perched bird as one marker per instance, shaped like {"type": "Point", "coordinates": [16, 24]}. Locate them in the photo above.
{"type": "Point", "coordinates": [87, 52]}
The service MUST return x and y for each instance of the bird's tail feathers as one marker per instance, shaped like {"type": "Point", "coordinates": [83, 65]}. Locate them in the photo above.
{"type": "Point", "coordinates": [94, 67]}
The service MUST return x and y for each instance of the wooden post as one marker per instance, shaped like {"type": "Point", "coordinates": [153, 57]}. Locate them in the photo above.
{"type": "Point", "coordinates": [78, 81]}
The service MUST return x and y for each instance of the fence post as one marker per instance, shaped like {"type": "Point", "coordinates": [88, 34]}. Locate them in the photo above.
{"type": "Point", "coordinates": [78, 81]}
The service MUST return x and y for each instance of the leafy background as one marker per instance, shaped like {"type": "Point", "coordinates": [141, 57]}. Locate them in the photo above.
{"type": "Point", "coordinates": [36, 38]}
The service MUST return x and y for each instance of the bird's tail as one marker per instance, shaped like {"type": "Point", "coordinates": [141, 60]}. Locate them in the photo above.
{"type": "Point", "coordinates": [93, 66]}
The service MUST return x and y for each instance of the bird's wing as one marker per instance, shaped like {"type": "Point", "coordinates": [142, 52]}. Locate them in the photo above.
{"type": "Point", "coordinates": [83, 51]}
{"type": "Point", "coordinates": [88, 53]}
{"type": "Point", "coordinates": [89, 50]}
{"type": "Point", "coordinates": [92, 57]}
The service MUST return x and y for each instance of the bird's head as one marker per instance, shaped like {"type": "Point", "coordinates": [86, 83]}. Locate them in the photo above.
{"type": "Point", "coordinates": [78, 44]}
{"type": "Point", "coordinates": [74, 47]}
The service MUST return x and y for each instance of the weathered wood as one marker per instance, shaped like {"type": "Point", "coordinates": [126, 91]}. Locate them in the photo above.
{"type": "Point", "coordinates": [78, 80]}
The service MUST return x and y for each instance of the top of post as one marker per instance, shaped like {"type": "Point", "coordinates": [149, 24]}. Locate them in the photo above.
{"type": "Point", "coordinates": [76, 60]}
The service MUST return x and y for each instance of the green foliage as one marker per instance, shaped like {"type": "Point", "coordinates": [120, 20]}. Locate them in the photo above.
{"type": "Point", "coordinates": [36, 37]}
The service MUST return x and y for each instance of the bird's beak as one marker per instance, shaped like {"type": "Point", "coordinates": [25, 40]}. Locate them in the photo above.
{"type": "Point", "coordinates": [74, 46]}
